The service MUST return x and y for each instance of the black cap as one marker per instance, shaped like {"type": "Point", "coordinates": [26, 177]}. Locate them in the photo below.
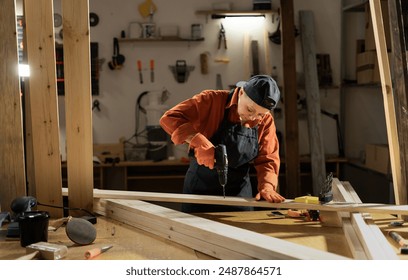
{"type": "Point", "coordinates": [263, 90]}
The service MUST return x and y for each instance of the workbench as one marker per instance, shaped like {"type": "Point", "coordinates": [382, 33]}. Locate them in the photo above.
{"type": "Point", "coordinates": [130, 243]}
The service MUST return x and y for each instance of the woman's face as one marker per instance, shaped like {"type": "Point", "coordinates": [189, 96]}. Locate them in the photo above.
{"type": "Point", "coordinates": [249, 112]}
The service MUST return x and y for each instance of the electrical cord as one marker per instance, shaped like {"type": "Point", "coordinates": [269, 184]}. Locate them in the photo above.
{"type": "Point", "coordinates": [67, 208]}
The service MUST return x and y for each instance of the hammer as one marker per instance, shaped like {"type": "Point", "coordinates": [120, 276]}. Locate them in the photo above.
{"type": "Point", "coordinates": [45, 250]}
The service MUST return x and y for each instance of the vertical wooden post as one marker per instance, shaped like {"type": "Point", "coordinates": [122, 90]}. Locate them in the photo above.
{"type": "Point", "coordinates": [290, 100]}
{"type": "Point", "coordinates": [317, 157]}
{"type": "Point", "coordinates": [77, 73]}
{"type": "Point", "coordinates": [43, 104]}
{"type": "Point", "coordinates": [12, 174]}
{"type": "Point", "coordinates": [400, 71]}
{"type": "Point", "coordinates": [386, 85]}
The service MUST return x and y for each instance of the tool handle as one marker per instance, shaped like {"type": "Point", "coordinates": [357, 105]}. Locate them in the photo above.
{"type": "Point", "coordinates": [93, 253]}
{"type": "Point", "coordinates": [139, 65]}
{"type": "Point", "coordinates": [151, 64]}
{"type": "Point", "coordinates": [398, 238]}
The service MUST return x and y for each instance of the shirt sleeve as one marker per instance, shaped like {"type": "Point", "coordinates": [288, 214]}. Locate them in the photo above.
{"type": "Point", "coordinates": [201, 113]}
{"type": "Point", "coordinates": [267, 162]}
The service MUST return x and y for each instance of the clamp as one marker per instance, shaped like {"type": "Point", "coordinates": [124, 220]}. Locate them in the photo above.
{"type": "Point", "coordinates": [221, 37]}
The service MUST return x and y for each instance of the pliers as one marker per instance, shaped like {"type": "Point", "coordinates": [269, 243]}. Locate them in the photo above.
{"type": "Point", "coordinates": [221, 37]}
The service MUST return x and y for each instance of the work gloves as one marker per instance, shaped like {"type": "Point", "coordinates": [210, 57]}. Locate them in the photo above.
{"type": "Point", "coordinates": [203, 150]}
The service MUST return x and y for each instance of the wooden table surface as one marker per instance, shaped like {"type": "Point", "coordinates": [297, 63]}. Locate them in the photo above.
{"type": "Point", "coordinates": [133, 244]}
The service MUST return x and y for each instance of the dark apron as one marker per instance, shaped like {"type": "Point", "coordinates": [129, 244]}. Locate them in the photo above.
{"type": "Point", "coordinates": [242, 147]}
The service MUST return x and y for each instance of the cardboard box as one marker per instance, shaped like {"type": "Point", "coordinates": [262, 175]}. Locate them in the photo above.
{"type": "Point", "coordinates": [109, 153]}
{"type": "Point", "coordinates": [367, 68]}
{"type": "Point", "coordinates": [369, 32]}
{"type": "Point", "coordinates": [378, 157]}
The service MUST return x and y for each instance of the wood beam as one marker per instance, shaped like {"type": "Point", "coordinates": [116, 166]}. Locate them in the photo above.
{"type": "Point", "coordinates": [212, 238]}
{"type": "Point", "coordinates": [46, 164]}
{"type": "Point", "coordinates": [12, 175]}
{"type": "Point", "coordinates": [388, 96]}
{"type": "Point", "coordinates": [400, 79]}
{"type": "Point", "coordinates": [289, 95]}
{"type": "Point", "coordinates": [365, 239]}
{"type": "Point", "coordinates": [317, 157]}
{"type": "Point", "coordinates": [78, 99]}
{"type": "Point", "coordinates": [241, 201]}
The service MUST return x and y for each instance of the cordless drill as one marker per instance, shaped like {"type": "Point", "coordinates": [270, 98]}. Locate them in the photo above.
{"type": "Point", "coordinates": [221, 164]}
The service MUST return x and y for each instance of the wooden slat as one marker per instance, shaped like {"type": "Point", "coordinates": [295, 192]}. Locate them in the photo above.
{"type": "Point", "coordinates": [290, 100]}
{"type": "Point", "coordinates": [386, 85]}
{"type": "Point", "coordinates": [77, 73]}
{"type": "Point", "coordinates": [371, 239]}
{"type": "Point", "coordinates": [306, 21]}
{"type": "Point", "coordinates": [12, 174]}
{"type": "Point", "coordinates": [240, 201]}
{"type": "Point", "coordinates": [267, 55]}
{"type": "Point", "coordinates": [243, 242]}
{"type": "Point", "coordinates": [400, 72]}
{"type": "Point", "coordinates": [42, 88]}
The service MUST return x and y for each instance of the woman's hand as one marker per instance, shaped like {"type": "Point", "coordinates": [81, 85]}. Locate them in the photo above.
{"type": "Point", "coordinates": [268, 193]}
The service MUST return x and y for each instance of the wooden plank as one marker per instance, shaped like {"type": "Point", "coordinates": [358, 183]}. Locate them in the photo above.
{"type": "Point", "coordinates": [388, 96]}
{"type": "Point", "coordinates": [255, 57]}
{"type": "Point", "coordinates": [372, 240]}
{"type": "Point", "coordinates": [46, 165]}
{"type": "Point", "coordinates": [12, 175]}
{"type": "Point", "coordinates": [245, 242]}
{"type": "Point", "coordinates": [267, 56]}
{"type": "Point", "coordinates": [400, 72]}
{"type": "Point", "coordinates": [290, 92]}
{"type": "Point", "coordinates": [241, 201]}
{"type": "Point", "coordinates": [306, 22]}
{"type": "Point", "coordinates": [159, 226]}
{"type": "Point", "coordinates": [246, 57]}
{"type": "Point", "coordinates": [78, 99]}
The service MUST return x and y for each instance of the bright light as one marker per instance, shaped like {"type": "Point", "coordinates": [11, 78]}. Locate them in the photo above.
{"type": "Point", "coordinates": [24, 70]}
{"type": "Point", "coordinates": [244, 23]}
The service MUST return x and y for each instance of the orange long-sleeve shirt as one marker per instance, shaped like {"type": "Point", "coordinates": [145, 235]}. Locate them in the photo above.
{"type": "Point", "coordinates": [204, 112]}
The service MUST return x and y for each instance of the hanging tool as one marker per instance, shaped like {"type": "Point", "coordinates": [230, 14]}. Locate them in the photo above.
{"type": "Point", "coordinates": [96, 251]}
{"type": "Point", "coordinates": [139, 67]}
{"type": "Point", "coordinates": [221, 164]}
{"type": "Point", "coordinates": [152, 70]}
{"type": "Point", "coordinates": [222, 38]}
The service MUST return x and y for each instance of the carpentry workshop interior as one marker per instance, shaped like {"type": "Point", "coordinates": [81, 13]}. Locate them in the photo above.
{"type": "Point", "coordinates": [87, 170]}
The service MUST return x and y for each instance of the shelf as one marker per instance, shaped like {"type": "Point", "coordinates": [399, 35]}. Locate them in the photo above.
{"type": "Point", "coordinates": [357, 7]}
{"type": "Point", "coordinates": [159, 39]}
{"type": "Point", "coordinates": [235, 13]}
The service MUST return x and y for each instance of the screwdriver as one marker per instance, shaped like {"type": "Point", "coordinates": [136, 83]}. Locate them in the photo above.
{"type": "Point", "coordinates": [152, 70]}
{"type": "Point", "coordinates": [96, 251]}
{"type": "Point", "coordinates": [139, 67]}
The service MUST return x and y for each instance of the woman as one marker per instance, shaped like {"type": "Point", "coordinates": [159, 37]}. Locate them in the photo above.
{"type": "Point", "coordinates": [240, 119]}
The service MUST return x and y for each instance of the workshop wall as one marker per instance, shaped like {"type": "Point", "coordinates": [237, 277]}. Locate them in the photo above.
{"type": "Point", "coordinates": [119, 89]}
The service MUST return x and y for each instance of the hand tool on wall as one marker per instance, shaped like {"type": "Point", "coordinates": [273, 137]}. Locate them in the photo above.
{"type": "Point", "coordinates": [152, 70]}
{"type": "Point", "coordinates": [139, 68]}
{"type": "Point", "coordinates": [222, 38]}
{"type": "Point", "coordinates": [221, 164]}
{"type": "Point", "coordinates": [96, 251]}
{"type": "Point", "coordinates": [181, 70]}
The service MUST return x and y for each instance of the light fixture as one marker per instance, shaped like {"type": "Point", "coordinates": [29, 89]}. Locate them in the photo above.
{"type": "Point", "coordinates": [226, 14]}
